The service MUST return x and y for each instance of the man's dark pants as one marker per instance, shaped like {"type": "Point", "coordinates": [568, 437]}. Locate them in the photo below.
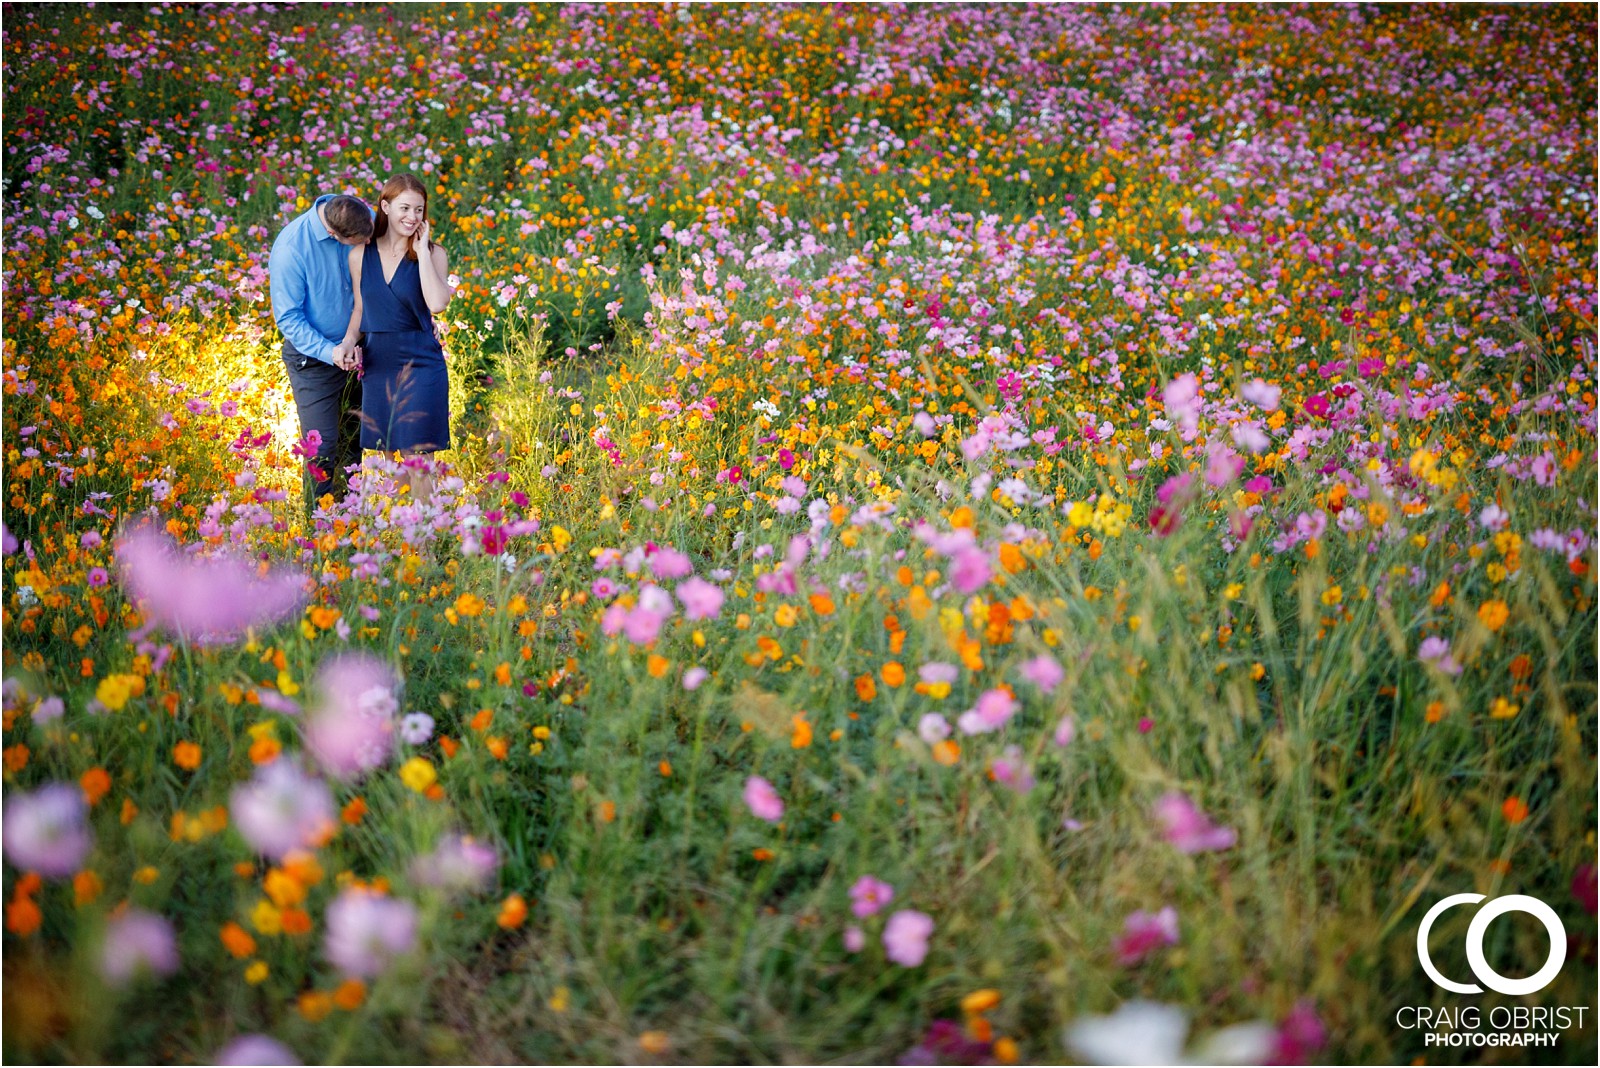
{"type": "Point", "coordinates": [329, 401]}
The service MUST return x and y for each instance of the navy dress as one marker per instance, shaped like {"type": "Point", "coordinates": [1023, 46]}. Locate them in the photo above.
{"type": "Point", "coordinates": [405, 391]}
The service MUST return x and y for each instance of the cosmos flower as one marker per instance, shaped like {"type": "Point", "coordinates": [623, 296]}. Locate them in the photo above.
{"type": "Point", "coordinates": [367, 932]}
{"type": "Point", "coordinates": [1187, 828]}
{"type": "Point", "coordinates": [47, 830]}
{"type": "Point", "coordinates": [905, 937]}
{"type": "Point", "coordinates": [202, 598]}
{"type": "Point", "coordinates": [282, 810]}
{"type": "Point", "coordinates": [350, 729]}
{"type": "Point", "coordinates": [762, 800]}
{"type": "Point", "coordinates": [869, 895]}
{"type": "Point", "coordinates": [137, 941]}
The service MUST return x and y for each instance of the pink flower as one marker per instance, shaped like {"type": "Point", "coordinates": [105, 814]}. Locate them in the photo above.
{"type": "Point", "coordinates": [1189, 829]}
{"type": "Point", "coordinates": [1010, 770]}
{"type": "Point", "coordinates": [905, 937]}
{"type": "Point", "coordinates": [969, 571]}
{"type": "Point", "coordinates": [47, 831]}
{"type": "Point", "coordinates": [211, 598]}
{"type": "Point", "coordinates": [366, 932]}
{"type": "Point", "coordinates": [993, 710]}
{"type": "Point", "coordinates": [933, 728]}
{"type": "Point", "coordinates": [855, 940]}
{"type": "Point", "coordinates": [458, 862]}
{"type": "Point", "coordinates": [1262, 394]}
{"type": "Point", "coordinates": [1300, 1036]}
{"type": "Point", "coordinates": [256, 1049]}
{"type": "Point", "coordinates": [669, 563]}
{"type": "Point", "coordinates": [1145, 932]}
{"type": "Point", "coordinates": [694, 677]}
{"type": "Point", "coordinates": [869, 895]}
{"type": "Point", "coordinates": [282, 809]}
{"type": "Point", "coordinates": [762, 799]}
{"type": "Point", "coordinates": [137, 941]}
{"type": "Point", "coordinates": [351, 728]}
{"type": "Point", "coordinates": [1066, 730]}
{"type": "Point", "coordinates": [701, 599]}
{"type": "Point", "coordinates": [1044, 672]}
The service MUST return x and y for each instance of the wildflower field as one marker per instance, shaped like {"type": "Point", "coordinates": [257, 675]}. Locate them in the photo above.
{"type": "Point", "coordinates": [978, 535]}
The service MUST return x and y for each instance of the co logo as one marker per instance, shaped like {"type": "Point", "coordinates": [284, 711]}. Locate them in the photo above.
{"type": "Point", "coordinates": [1479, 927]}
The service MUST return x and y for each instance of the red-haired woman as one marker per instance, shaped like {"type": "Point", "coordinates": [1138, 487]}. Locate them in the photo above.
{"type": "Point", "coordinates": [401, 284]}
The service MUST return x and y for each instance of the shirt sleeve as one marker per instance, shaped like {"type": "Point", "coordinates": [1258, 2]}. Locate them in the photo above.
{"type": "Point", "coordinates": [286, 280]}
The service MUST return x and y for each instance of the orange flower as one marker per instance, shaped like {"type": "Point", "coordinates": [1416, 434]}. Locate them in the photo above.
{"type": "Point", "coordinates": [1493, 614]}
{"type": "Point", "coordinates": [350, 995]}
{"type": "Point", "coordinates": [295, 921]}
{"type": "Point", "coordinates": [1514, 810]}
{"type": "Point", "coordinates": [762, 853]}
{"type": "Point", "coordinates": [265, 750]}
{"type": "Point", "coordinates": [186, 755]}
{"type": "Point", "coordinates": [947, 752]}
{"type": "Point", "coordinates": [502, 674]}
{"type": "Point", "coordinates": [893, 674]}
{"type": "Point", "coordinates": [866, 689]}
{"type": "Point", "coordinates": [95, 783]}
{"type": "Point", "coordinates": [86, 887]}
{"type": "Point", "coordinates": [498, 747]}
{"type": "Point", "coordinates": [353, 811]}
{"type": "Point", "coordinates": [237, 941]}
{"type": "Point", "coordinates": [482, 720]}
{"type": "Point", "coordinates": [801, 737]}
{"type": "Point", "coordinates": [608, 811]}
{"type": "Point", "coordinates": [657, 666]}
{"type": "Point", "coordinates": [513, 912]}
{"type": "Point", "coordinates": [23, 916]}
{"type": "Point", "coordinates": [1521, 667]}
{"type": "Point", "coordinates": [315, 1005]}
{"type": "Point", "coordinates": [822, 604]}
{"type": "Point", "coordinates": [655, 1043]}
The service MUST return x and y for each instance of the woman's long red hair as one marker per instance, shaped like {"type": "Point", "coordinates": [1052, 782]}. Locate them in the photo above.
{"type": "Point", "coordinates": [400, 183]}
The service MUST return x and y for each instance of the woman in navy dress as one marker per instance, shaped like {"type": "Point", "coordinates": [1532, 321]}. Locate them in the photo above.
{"type": "Point", "coordinates": [405, 389]}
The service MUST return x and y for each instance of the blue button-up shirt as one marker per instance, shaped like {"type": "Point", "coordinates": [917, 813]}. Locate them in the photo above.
{"type": "Point", "coordinates": [309, 276]}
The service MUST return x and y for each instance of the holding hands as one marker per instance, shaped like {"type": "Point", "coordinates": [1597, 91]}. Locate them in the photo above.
{"type": "Point", "coordinates": [347, 357]}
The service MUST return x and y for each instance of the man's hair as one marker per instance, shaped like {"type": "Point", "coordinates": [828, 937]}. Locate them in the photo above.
{"type": "Point", "coordinates": [348, 217]}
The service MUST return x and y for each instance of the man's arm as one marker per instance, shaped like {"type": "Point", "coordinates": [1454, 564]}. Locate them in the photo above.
{"type": "Point", "coordinates": [286, 279]}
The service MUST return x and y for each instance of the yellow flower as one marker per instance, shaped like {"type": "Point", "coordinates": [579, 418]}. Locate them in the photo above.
{"type": "Point", "coordinates": [266, 918]}
{"type": "Point", "coordinates": [980, 1001]}
{"type": "Point", "coordinates": [256, 973]}
{"type": "Point", "coordinates": [1332, 595]}
{"type": "Point", "coordinates": [418, 774]}
{"type": "Point", "coordinates": [1503, 709]}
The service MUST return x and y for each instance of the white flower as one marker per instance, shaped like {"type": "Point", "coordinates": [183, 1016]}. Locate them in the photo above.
{"type": "Point", "coordinates": [1144, 1032]}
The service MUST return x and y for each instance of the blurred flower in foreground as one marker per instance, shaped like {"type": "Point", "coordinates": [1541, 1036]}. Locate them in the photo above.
{"type": "Point", "coordinates": [905, 937]}
{"type": "Point", "coordinates": [138, 941]}
{"type": "Point", "coordinates": [1189, 829]}
{"type": "Point", "coordinates": [47, 831]}
{"type": "Point", "coordinates": [282, 809]}
{"type": "Point", "coordinates": [256, 1049]}
{"type": "Point", "coordinates": [762, 799]}
{"type": "Point", "coordinates": [458, 862]}
{"type": "Point", "coordinates": [351, 728]}
{"type": "Point", "coordinates": [366, 932]}
{"type": "Point", "coordinates": [1145, 932]}
{"type": "Point", "coordinates": [1143, 1032]}
{"type": "Point", "coordinates": [212, 598]}
{"type": "Point", "coordinates": [946, 1042]}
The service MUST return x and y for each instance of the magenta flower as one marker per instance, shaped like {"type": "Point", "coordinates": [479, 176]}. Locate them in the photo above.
{"type": "Point", "coordinates": [1044, 672]}
{"type": "Point", "coordinates": [1300, 1036]}
{"type": "Point", "coordinates": [762, 800]}
{"type": "Point", "coordinates": [1187, 828]}
{"type": "Point", "coordinates": [905, 937]}
{"type": "Point", "coordinates": [202, 598]}
{"type": "Point", "coordinates": [1145, 932]}
{"type": "Point", "coordinates": [1586, 887]}
{"type": "Point", "coordinates": [351, 728]}
{"type": "Point", "coordinates": [47, 831]}
{"type": "Point", "coordinates": [701, 599]}
{"type": "Point", "coordinates": [256, 1049]}
{"type": "Point", "coordinates": [282, 809]}
{"type": "Point", "coordinates": [137, 941]}
{"type": "Point", "coordinates": [367, 932]}
{"type": "Point", "coordinates": [869, 895]}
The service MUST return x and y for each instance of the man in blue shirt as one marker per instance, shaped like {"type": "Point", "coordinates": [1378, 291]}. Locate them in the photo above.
{"type": "Point", "coordinates": [309, 273]}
